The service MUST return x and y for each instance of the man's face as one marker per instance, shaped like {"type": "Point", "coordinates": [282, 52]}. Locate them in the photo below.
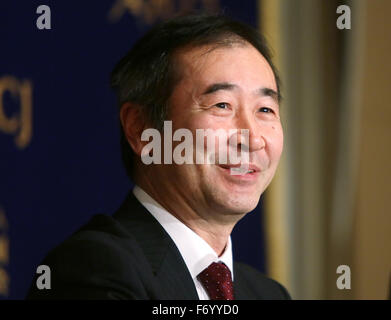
{"type": "Point", "coordinates": [226, 88]}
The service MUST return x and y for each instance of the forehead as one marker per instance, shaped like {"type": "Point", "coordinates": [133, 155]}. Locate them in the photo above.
{"type": "Point", "coordinates": [239, 63]}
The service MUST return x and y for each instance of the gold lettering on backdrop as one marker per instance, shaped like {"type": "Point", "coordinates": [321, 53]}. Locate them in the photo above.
{"type": "Point", "coordinates": [4, 255]}
{"type": "Point", "coordinates": [4, 249]}
{"type": "Point", "coordinates": [19, 125]}
{"type": "Point", "coordinates": [4, 282]}
{"type": "Point", "coordinates": [153, 10]}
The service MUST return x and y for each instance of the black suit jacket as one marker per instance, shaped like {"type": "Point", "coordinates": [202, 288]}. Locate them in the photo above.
{"type": "Point", "coordinates": [130, 256]}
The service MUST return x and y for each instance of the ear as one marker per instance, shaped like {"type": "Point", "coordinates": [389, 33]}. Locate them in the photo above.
{"type": "Point", "coordinates": [133, 123]}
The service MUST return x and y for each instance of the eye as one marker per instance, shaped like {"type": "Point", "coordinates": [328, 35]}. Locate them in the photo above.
{"type": "Point", "coordinates": [222, 105]}
{"type": "Point", "coordinates": [266, 110]}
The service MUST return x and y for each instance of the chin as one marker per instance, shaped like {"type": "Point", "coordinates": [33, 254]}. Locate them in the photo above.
{"type": "Point", "coordinates": [232, 198]}
{"type": "Point", "coordinates": [244, 199]}
{"type": "Point", "coordinates": [244, 205]}
{"type": "Point", "coordinates": [237, 204]}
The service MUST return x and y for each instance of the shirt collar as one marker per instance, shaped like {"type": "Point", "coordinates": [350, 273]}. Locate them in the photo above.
{"type": "Point", "coordinates": [195, 251]}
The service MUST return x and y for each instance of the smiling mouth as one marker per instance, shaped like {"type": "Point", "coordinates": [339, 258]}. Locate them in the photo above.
{"type": "Point", "coordinates": [241, 170]}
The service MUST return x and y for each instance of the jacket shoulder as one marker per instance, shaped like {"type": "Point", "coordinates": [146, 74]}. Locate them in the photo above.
{"type": "Point", "coordinates": [101, 260]}
{"type": "Point", "coordinates": [258, 285]}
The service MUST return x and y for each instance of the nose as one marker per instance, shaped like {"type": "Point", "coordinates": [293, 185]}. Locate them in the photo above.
{"type": "Point", "coordinates": [250, 135]}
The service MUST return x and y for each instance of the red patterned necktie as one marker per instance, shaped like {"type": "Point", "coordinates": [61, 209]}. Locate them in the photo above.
{"type": "Point", "coordinates": [217, 281]}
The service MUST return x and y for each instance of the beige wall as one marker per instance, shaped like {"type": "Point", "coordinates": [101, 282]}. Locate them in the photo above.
{"type": "Point", "coordinates": [371, 269]}
{"type": "Point", "coordinates": [329, 202]}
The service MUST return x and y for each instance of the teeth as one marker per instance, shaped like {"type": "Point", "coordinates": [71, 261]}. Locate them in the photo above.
{"type": "Point", "coordinates": [238, 171]}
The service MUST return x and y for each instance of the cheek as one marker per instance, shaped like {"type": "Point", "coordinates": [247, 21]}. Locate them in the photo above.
{"type": "Point", "coordinates": [191, 122]}
{"type": "Point", "coordinates": [205, 121]}
{"type": "Point", "coordinates": [275, 141]}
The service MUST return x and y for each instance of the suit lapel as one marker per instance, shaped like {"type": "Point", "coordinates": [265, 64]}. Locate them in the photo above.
{"type": "Point", "coordinates": [241, 291]}
{"type": "Point", "coordinates": [167, 264]}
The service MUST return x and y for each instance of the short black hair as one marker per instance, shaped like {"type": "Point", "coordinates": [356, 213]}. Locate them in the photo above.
{"type": "Point", "coordinates": [146, 75]}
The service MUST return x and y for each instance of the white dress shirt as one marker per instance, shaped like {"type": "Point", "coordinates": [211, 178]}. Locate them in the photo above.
{"type": "Point", "coordinates": [195, 251]}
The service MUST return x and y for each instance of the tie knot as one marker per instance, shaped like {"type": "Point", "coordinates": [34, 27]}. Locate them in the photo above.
{"type": "Point", "coordinates": [217, 281]}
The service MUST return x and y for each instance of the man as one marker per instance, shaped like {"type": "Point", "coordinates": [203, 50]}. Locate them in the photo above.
{"type": "Point", "coordinates": [171, 237]}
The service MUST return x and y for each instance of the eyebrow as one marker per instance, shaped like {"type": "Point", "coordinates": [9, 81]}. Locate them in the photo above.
{"type": "Point", "coordinates": [263, 92]}
{"type": "Point", "coordinates": [219, 86]}
{"type": "Point", "coordinates": [269, 93]}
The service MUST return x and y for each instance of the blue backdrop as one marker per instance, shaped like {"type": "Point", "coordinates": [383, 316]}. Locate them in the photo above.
{"type": "Point", "coordinates": [59, 131]}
